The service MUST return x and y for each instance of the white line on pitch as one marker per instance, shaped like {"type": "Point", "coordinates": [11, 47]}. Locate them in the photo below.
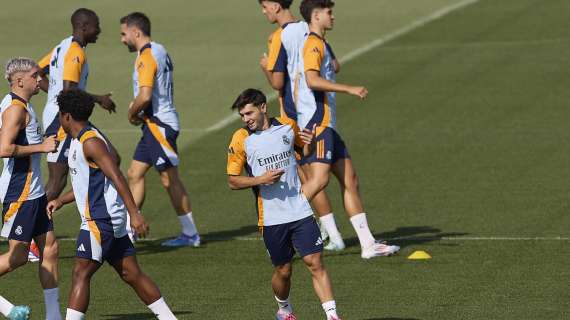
{"type": "Point", "coordinates": [366, 48]}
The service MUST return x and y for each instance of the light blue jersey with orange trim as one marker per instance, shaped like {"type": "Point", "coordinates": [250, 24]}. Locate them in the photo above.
{"type": "Point", "coordinates": [271, 149]}
{"type": "Point", "coordinates": [21, 178]}
{"type": "Point", "coordinates": [154, 68]}
{"type": "Point", "coordinates": [98, 202]}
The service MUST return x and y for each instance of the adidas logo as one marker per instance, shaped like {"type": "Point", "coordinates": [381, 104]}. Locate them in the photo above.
{"type": "Point", "coordinates": [319, 242]}
{"type": "Point", "coordinates": [160, 161]}
{"type": "Point", "coordinates": [81, 248]}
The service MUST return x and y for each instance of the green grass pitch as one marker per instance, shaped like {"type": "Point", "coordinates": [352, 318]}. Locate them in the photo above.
{"type": "Point", "coordinates": [462, 149]}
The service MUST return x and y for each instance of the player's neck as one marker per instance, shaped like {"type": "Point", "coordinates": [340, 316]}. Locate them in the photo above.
{"type": "Point", "coordinates": [142, 42]}
{"type": "Point", "coordinates": [285, 17]}
{"type": "Point", "coordinates": [321, 32]}
{"type": "Point", "coordinates": [76, 127]}
{"type": "Point", "coordinates": [21, 93]}
{"type": "Point", "coordinates": [266, 124]}
{"type": "Point", "coordinates": [77, 36]}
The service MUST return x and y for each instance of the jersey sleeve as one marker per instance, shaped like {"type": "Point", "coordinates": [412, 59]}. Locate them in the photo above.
{"type": "Point", "coordinates": [313, 54]}
{"type": "Point", "coordinates": [73, 63]}
{"type": "Point", "coordinates": [44, 63]}
{"type": "Point", "coordinates": [146, 69]}
{"type": "Point", "coordinates": [277, 57]}
{"type": "Point", "coordinates": [236, 153]}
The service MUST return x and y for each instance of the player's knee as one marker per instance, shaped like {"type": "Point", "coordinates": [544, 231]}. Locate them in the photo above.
{"type": "Point", "coordinates": [134, 175]}
{"type": "Point", "coordinates": [130, 275]}
{"type": "Point", "coordinates": [284, 271]}
{"type": "Point", "coordinates": [314, 263]}
{"type": "Point", "coordinates": [17, 259]}
{"type": "Point", "coordinates": [50, 252]}
{"type": "Point", "coordinates": [166, 180]}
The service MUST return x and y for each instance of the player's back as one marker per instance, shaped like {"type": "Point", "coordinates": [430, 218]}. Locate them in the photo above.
{"type": "Point", "coordinates": [98, 202]}
{"type": "Point", "coordinates": [21, 178]}
{"type": "Point", "coordinates": [154, 67]}
{"type": "Point", "coordinates": [66, 62]}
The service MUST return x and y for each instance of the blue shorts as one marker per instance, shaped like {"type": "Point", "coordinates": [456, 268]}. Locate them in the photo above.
{"type": "Point", "coordinates": [329, 147]}
{"type": "Point", "coordinates": [25, 220]}
{"type": "Point", "coordinates": [157, 146]}
{"type": "Point", "coordinates": [283, 240]}
{"type": "Point", "coordinates": [102, 245]}
{"type": "Point", "coordinates": [60, 155]}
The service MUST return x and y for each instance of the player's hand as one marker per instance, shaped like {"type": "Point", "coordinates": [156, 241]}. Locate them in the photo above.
{"type": "Point", "coordinates": [308, 136]}
{"type": "Point", "coordinates": [52, 207]}
{"type": "Point", "coordinates": [139, 225]}
{"type": "Point", "coordinates": [263, 61]}
{"type": "Point", "coordinates": [360, 92]}
{"type": "Point", "coordinates": [134, 118]}
{"type": "Point", "coordinates": [271, 176]}
{"type": "Point", "coordinates": [50, 144]}
{"type": "Point", "coordinates": [106, 102]}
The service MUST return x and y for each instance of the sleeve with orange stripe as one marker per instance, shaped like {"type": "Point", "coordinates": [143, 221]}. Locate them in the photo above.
{"type": "Point", "coordinates": [146, 69]}
{"type": "Point", "coordinates": [313, 53]}
{"type": "Point", "coordinates": [44, 63]}
{"type": "Point", "coordinates": [236, 153]}
{"type": "Point", "coordinates": [277, 57]}
{"type": "Point", "coordinates": [73, 63]}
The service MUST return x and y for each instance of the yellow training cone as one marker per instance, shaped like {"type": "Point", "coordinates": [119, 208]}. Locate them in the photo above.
{"type": "Point", "coordinates": [419, 255]}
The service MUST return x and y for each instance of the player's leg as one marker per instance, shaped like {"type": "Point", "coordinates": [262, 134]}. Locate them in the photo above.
{"type": "Point", "coordinates": [48, 273]}
{"type": "Point", "coordinates": [277, 239]}
{"type": "Point", "coordinates": [83, 271]}
{"type": "Point", "coordinates": [123, 259]}
{"type": "Point", "coordinates": [323, 208]}
{"type": "Point", "coordinates": [16, 256]}
{"type": "Point", "coordinates": [135, 175]}
{"type": "Point", "coordinates": [344, 171]}
{"type": "Point", "coordinates": [10, 311]}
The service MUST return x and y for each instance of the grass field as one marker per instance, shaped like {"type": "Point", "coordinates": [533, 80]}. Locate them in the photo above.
{"type": "Point", "coordinates": [461, 148]}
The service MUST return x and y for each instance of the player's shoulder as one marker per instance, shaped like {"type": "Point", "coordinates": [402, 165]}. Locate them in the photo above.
{"type": "Point", "coordinates": [88, 133]}
{"type": "Point", "coordinates": [283, 121]}
{"type": "Point", "coordinates": [240, 135]}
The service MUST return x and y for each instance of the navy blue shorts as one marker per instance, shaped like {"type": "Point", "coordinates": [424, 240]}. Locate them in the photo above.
{"type": "Point", "coordinates": [25, 220]}
{"type": "Point", "coordinates": [283, 240]}
{"type": "Point", "coordinates": [329, 147]}
{"type": "Point", "coordinates": [157, 146]}
{"type": "Point", "coordinates": [99, 245]}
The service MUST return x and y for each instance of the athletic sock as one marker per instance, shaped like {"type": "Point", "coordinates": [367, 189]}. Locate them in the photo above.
{"type": "Point", "coordinates": [284, 305]}
{"type": "Point", "coordinates": [5, 306]}
{"type": "Point", "coordinates": [51, 299]}
{"type": "Point", "coordinates": [188, 226]}
{"type": "Point", "coordinates": [74, 315]}
{"type": "Point", "coordinates": [161, 310]}
{"type": "Point", "coordinates": [329, 224]}
{"type": "Point", "coordinates": [330, 309]}
{"type": "Point", "coordinates": [360, 225]}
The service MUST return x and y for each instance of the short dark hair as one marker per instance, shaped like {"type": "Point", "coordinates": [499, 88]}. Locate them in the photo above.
{"type": "Point", "coordinates": [139, 20]}
{"type": "Point", "coordinates": [285, 4]}
{"type": "Point", "coordinates": [76, 102]}
{"type": "Point", "coordinates": [249, 96]}
{"type": "Point", "coordinates": [79, 17]}
{"type": "Point", "coordinates": [308, 6]}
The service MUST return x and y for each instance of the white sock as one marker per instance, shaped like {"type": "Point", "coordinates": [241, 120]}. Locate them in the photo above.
{"type": "Point", "coordinates": [188, 226]}
{"type": "Point", "coordinates": [330, 309]}
{"type": "Point", "coordinates": [5, 306]}
{"type": "Point", "coordinates": [51, 299]}
{"type": "Point", "coordinates": [161, 310]}
{"type": "Point", "coordinates": [74, 315]}
{"type": "Point", "coordinates": [327, 221]}
{"type": "Point", "coordinates": [284, 305]}
{"type": "Point", "coordinates": [360, 225]}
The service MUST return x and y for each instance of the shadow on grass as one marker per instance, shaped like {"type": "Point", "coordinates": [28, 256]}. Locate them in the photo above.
{"type": "Point", "coordinates": [152, 247]}
{"type": "Point", "coordinates": [142, 316]}
{"type": "Point", "coordinates": [407, 236]}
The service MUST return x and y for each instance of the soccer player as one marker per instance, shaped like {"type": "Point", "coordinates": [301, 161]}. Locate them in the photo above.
{"type": "Point", "coordinates": [153, 107]}
{"type": "Point", "coordinates": [283, 68]}
{"type": "Point", "coordinates": [67, 68]}
{"type": "Point", "coordinates": [23, 198]}
{"type": "Point", "coordinates": [103, 199]}
{"type": "Point", "coordinates": [265, 148]}
{"type": "Point", "coordinates": [315, 103]}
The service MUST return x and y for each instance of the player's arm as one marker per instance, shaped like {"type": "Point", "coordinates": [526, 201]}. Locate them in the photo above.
{"type": "Point", "coordinates": [104, 100]}
{"type": "Point", "coordinates": [238, 182]}
{"type": "Point", "coordinates": [59, 202]}
{"type": "Point", "coordinates": [318, 83]}
{"type": "Point", "coordinates": [44, 71]}
{"type": "Point", "coordinates": [274, 64]}
{"type": "Point", "coordinates": [13, 120]}
{"type": "Point", "coordinates": [141, 102]}
{"type": "Point", "coordinates": [96, 151]}
{"type": "Point", "coordinates": [275, 78]}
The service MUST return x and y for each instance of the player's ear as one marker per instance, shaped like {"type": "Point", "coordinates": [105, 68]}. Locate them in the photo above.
{"type": "Point", "coordinates": [263, 107]}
